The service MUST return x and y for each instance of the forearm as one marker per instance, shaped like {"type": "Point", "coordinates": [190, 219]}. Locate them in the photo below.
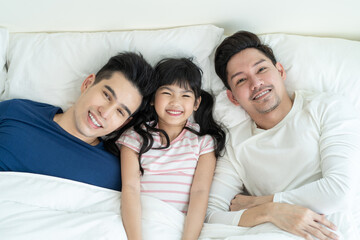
{"type": "Point", "coordinates": [226, 184]}
{"type": "Point", "coordinates": [332, 193]}
{"type": "Point", "coordinates": [195, 215]}
{"type": "Point", "coordinates": [131, 213]}
{"type": "Point", "coordinates": [256, 215]}
{"type": "Point", "coordinates": [241, 202]}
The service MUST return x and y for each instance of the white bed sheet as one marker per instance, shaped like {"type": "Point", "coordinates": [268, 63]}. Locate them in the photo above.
{"type": "Point", "coordinates": [40, 207]}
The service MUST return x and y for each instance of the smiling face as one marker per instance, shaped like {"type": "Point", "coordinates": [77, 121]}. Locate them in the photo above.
{"type": "Point", "coordinates": [256, 84]}
{"type": "Point", "coordinates": [174, 105]}
{"type": "Point", "coordinates": [102, 108]}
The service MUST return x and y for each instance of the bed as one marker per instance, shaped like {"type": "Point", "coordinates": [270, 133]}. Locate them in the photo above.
{"type": "Point", "coordinates": [44, 57]}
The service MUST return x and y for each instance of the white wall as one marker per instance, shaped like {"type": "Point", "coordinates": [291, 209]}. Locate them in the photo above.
{"type": "Point", "coordinates": [332, 18]}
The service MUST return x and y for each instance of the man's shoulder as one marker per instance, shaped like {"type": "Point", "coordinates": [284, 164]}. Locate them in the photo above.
{"type": "Point", "coordinates": [18, 102]}
{"type": "Point", "coordinates": [12, 105]}
{"type": "Point", "coordinates": [320, 103]}
{"type": "Point", "coordinates": [240, 132]}
{"type": "Point", "coordinates": [17, 106]}
{"type": "Point", "coordinates": [322, 98]}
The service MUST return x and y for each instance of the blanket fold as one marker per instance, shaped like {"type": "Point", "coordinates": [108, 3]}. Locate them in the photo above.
{"type": "Point", "coordinates": [40, 207]}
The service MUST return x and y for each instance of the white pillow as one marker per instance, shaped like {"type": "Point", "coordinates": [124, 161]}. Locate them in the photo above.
{"type": "Point", "coordinates": [226, 112]}
{"type": "Point", "coordinates": [51, 67]}
{"type": "Point", "coordinates": [4, 39]}
{"type": "Point", "coordinates": [311, 63]}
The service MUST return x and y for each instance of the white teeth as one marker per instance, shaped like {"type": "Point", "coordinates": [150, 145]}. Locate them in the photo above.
{"type": "Point", "coordinates": [174, 112]}
{"type": "Point", "coordinates": [261, 94]}
{"type": "Point", "coordinates": [94, 121]}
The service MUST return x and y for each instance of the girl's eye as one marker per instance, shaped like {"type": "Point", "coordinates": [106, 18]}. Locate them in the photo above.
{"type": "Point", "coordinates": [166, 93]}
{"type": "Point", "coordinates": [187, 96]}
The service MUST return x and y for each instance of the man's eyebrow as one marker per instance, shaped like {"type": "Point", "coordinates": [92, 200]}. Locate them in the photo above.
{"type": "Point", "coordinates": [126, 109]}
{"type": "Point", "coordinates": [238, 73]}
{"type": "Point", "coordinates": [114, 95]}
{"type": "Point", "coordinates": [111, 91]}
{"type": "Point", "coordinates": [234, 75]}
{"type": "Point", "coordinates": [258, 62]}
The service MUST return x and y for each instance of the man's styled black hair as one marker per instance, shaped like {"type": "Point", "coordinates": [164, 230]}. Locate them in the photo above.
{"type": "Point", "coordinates": [134, 67]}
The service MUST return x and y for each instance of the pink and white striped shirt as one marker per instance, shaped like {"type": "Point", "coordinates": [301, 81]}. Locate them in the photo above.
{"type": "Point", "coordinates": [168, 173]}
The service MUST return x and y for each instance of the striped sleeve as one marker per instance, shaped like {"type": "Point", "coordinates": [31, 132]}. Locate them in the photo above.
{"type": "Point", "coordinates": [130, 139]}
{"type": "Point", "coordinates": [207, 144]}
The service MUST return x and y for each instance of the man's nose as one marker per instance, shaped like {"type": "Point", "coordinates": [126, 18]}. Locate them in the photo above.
{"type": "Point", "coordinates": [106, 111]}
{"type": "Point", "coordinates": [256, 82]}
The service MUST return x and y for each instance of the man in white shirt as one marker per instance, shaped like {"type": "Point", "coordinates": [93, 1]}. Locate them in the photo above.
{"type": "Point", "coordinates": [295, 155]}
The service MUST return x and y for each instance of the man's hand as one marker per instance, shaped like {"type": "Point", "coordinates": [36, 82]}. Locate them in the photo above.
{"type": "Point", "coordinates": [294, 219]}
{"type": "Point", "coordinates": [241, 202]}
{"type": "Point", "coordinates": [302, 221]}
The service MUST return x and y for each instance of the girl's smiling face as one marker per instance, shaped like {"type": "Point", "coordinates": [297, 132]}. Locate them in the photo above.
{"type": "Point", "coordinates": [174, 105]}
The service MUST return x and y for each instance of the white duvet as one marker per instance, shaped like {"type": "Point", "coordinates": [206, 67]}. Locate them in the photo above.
{"type": "Point", "coordinates": [40, 207]}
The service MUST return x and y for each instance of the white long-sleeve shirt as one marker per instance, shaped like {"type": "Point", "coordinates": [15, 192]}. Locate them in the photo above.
{"type": "Point", "coordinates": [310, 158]}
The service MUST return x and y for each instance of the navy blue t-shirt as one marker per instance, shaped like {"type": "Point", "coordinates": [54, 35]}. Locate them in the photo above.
{"type": "Point", "coordinates": [30, 141]}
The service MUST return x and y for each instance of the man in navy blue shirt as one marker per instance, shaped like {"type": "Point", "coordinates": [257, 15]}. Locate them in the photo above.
{"type": "Point", "coordinates": [41, 138]}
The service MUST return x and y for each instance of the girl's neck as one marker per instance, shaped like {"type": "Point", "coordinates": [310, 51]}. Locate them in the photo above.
{"type": "Point", "coordinates": [173, 131]}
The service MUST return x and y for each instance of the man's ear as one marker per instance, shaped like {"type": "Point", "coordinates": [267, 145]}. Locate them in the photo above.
{"type": "Point", "coordinates": [281, 70]}
{"type": "Point", "coordinates": [197, 104]}
{"type": "Point", "coordinates": [231, 97]}
{"type": "Point", "coordinates": [87, 82]}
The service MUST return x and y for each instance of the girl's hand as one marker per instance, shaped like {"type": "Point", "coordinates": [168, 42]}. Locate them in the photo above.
{"type": "Point", "coordinates": [241, 202]}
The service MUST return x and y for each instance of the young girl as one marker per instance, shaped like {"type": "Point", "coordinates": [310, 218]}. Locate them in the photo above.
{"type": "Point", "coordinates": [176, 157]}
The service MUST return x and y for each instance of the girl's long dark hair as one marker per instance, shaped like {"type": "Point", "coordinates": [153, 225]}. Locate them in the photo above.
{"type": "Point", "coordinates": [184, 73]}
